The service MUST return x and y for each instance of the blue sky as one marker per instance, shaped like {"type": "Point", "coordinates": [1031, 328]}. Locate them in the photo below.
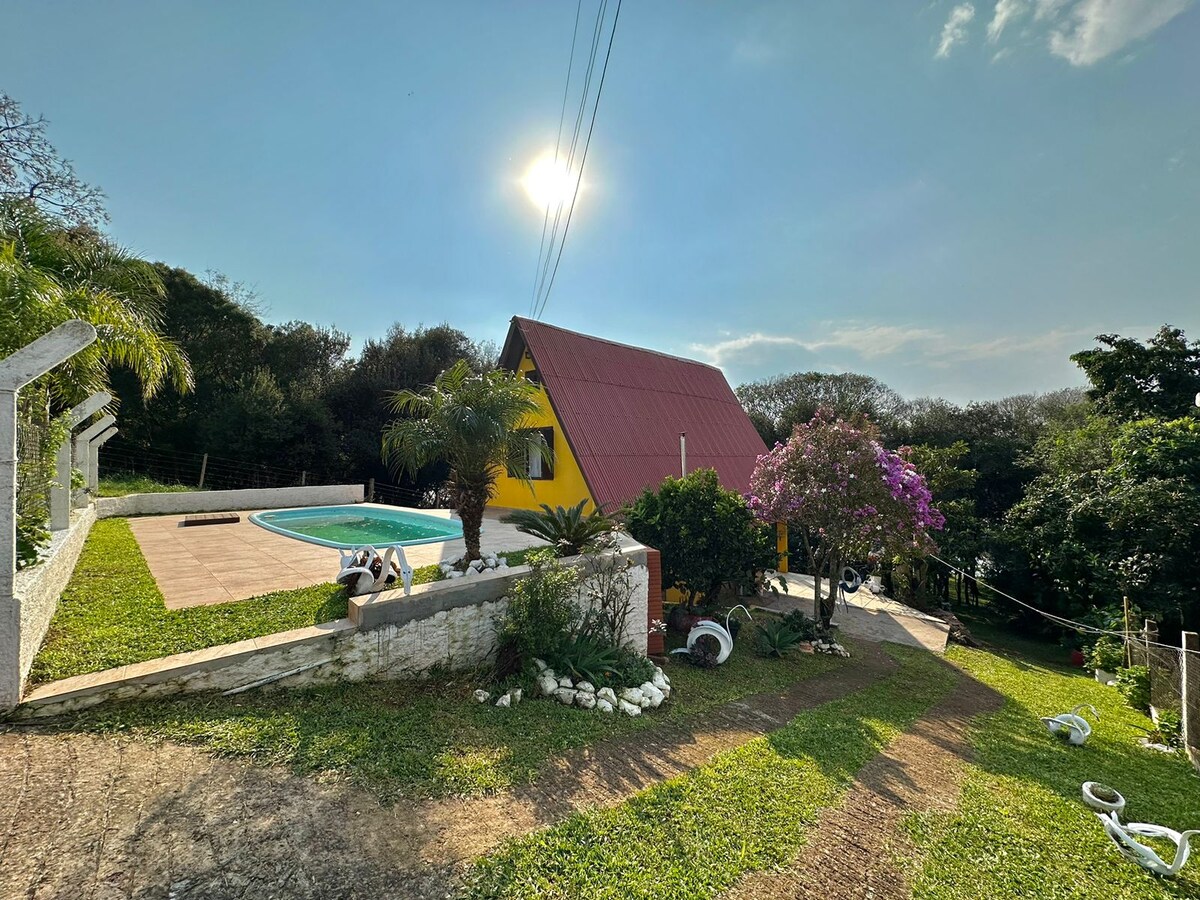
{"type": "Point", "coordinates": [949, 196]}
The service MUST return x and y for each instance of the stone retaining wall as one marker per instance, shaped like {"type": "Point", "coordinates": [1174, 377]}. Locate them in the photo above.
{"type": "Point", "coordinates": [220, 501]}
{"type": "Point", "coordinates": [447, 623]}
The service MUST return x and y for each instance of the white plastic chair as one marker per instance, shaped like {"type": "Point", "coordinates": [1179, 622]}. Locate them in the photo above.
{"type": "Point", "coordinates": [1125, 839]}
{"type": "Point", "coordinates": [1078, 728]}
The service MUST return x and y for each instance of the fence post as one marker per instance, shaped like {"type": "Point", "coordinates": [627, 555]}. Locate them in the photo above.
{"type": "Point", "coordinates": [83, 452]}
{"type": "Point", "coordinates": [370, 490]}
{"type": "Point", "coordinates": [93, 469]}
{"type": "Point", "coordinates": [203, 469]}
{"type": "Point", "coordinates": [60, 497]}
{"type": "Point", "coordinates": [1189, 676]}
{"type": "Point", "coordinates": [16, 371]}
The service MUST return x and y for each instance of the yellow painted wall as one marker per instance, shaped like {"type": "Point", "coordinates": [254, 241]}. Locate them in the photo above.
{"type": "Point", "coordinates": [566, 488]}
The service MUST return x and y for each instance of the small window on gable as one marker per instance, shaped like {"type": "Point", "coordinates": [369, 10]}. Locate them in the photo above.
{"type": "Point", "coordinates": [539, 468]}
{"type": "Point", "coordinates": [533, 376]}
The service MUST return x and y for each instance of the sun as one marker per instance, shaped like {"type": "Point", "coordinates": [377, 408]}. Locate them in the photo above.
{"type": "Point", "coordinates": [549, 184]}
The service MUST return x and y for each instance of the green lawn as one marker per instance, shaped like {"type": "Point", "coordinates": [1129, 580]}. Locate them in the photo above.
{"type": "Point", "coordinates": [427, 737]}
{"type": "Point", "coordinates": [112, 613]}
{"type": "Point", "coordinates": [694, 836]}
{"type": "Point", "coordinates": [122, 485]}
{"type": "Point", "coordinates": [1020, 829]}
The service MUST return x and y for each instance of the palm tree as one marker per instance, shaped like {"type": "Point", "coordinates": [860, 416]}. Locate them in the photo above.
{"type": "Point", "coordinates": [49, 274]}
{"type": "Point", "coordinates": [478, 423]}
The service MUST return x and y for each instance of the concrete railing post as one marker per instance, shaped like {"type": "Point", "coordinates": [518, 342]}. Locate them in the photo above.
{"type": "Point", "coordinates": [1189, 676]}
{"type": "Point", "coordinates": [16, 371]}
{"type": "Point", "coordinates": [93, 470]}
{"type": "Point", "coordinates": [60, 494]}
{"type": "Point", "coordinates": [83, 452]}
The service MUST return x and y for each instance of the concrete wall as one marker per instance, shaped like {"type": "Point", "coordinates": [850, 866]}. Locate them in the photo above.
{"type": "Point", "coordinates": [447, 623]}
{"type": "Point", "coordinates": [37, 589]}
{"type": "Point", "coordinates": [219, 501]}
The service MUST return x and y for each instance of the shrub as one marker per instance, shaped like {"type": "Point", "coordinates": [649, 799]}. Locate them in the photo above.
{"type": "Point", "coordinates": [608, 588]}
{"type": "Point", "coordinates": [706, 535]}
{"type": "Point", "coordinates": [1169, 728]}
{"type": "Point", "coordinates": [1134, 684]}
{"type": "Point", "coordinates": [808, 629]}
{"type": "Point", "coordinates": [1107, 654]}
{"type": "Point", "coordinates": [586, 658]}
{"type": "Point", "coordinates": [568, 530]}
{"type": "Point", "coordinates": [776, 638]}
{"type": "Point", "coordinates": [542, 612]}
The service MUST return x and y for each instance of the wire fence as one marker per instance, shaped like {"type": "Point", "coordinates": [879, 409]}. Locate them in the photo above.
{"type": "Point", "coordinates": [205, 471]}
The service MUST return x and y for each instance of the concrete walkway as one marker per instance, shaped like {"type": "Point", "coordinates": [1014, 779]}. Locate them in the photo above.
{"type": "Point", "coordinates": [866, 615]}
{"type": "Point", "coordinates": [199, 566]}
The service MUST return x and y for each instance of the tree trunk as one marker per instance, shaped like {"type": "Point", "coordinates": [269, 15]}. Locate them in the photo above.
{"type": "Point", "coordinates": [470, 510]}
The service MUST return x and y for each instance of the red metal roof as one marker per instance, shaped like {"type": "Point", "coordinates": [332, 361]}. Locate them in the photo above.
{"type": "Point", "coordinates": [622, 409]}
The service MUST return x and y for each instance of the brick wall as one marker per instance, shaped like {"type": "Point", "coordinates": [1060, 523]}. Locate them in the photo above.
{"type": "Point", "coordinates": [654, 604]}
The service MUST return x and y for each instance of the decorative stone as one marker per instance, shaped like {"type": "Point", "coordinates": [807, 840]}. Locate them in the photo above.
{"type": "Point", "coordinates": [502, 562]}
{"type": "Point", "coordinates": [454, 574]}
{"type": "Point", "coordinates": [607, 694]}
{"type": "Point", "coordinates": [603, 705]}
{"type": "Point", "coordinates": [585, 700]}
{"type": "Point", "coordinates": [565, 696]}
{"type": "Point", "coordinates": [547, 685]}
{"type": "Point", "coordinates": [505, 701]}
{"type": "Point", "coordinates": [632, 695]}
{"type": "Point", "coordinates": [565, 681]}
{"type": "Point", "coordinates": [653, 695]}
{"type": "Point", "coordinates": [586, 686]}
{"type": "Point", "coordinates": [482, 696]}
{"type": "Point", "coordinates": [541, 665]}
{"type": "Point", "coordinates": [515, 694]}
{"type": "Point", "coordinates": [630, 709]}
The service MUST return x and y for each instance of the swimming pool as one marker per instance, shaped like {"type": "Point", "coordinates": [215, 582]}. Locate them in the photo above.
{"type": "Point", "coordinates": [347, 527]}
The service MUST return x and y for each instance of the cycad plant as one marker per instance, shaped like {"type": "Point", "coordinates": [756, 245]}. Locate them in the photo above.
{"type": "Point", "coordinates": [480, 424]}
{"type": "Point", "coordinates": [568, 530]}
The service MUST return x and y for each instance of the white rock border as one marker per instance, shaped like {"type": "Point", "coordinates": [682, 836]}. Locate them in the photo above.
{"type": "Point", "coordinates": [631, 701]}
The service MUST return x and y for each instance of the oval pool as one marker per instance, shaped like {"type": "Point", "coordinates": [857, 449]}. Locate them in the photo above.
{"type": "Point", "coordinates": [347, 527]}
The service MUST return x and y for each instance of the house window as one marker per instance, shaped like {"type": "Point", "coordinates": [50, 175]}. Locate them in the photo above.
{"type": "Point", "coordinates": [537, 468]}
{"type": "Point", "coordinates": [533, 376]}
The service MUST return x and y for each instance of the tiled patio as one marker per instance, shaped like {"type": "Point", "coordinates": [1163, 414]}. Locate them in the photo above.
{"type": "Point", "coordinates": [202, 565]}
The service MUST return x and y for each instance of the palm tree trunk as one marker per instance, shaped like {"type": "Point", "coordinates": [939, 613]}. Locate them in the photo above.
{"type": "Point", "coordinates": [470, 509]}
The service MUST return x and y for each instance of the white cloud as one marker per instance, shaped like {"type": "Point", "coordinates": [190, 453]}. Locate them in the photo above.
{"type": "Point", "coordinates": [1006, 11]}
{"type": "Point", "coordinates": [1094, 29]}
{"type": "Point", "coordinates": [1044, 10]}
{"type": "Point", "coordinates": [955, 29]}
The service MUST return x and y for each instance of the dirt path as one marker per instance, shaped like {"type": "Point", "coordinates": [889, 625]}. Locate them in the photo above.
{"type": "Point", "coordinates": [856, 844]}
{"type": "Point", "coordinates": [85, 817]}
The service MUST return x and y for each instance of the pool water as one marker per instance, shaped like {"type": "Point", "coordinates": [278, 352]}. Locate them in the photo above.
{"type": "Point", "coordinates": [346, 527]}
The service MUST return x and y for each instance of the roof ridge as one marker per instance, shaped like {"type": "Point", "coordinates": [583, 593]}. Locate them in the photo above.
{"type": "Point", "coordinates": [523, 320]}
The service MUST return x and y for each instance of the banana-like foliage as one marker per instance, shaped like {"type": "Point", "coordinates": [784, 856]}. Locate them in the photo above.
{"type": "Point", "coordinates": [568, 529]}
{"type": "Point", "coordinates": [477, 423]}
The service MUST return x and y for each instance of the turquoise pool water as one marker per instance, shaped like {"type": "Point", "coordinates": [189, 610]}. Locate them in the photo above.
{"type": "Point", "coordinates": [346, 527]}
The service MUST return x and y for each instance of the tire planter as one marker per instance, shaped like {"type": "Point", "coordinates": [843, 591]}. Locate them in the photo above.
{"type": "Point", "coordinates": [1102, 805]}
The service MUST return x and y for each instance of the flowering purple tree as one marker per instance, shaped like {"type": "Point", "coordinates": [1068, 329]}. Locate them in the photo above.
{"type": "Point", "coordinates": [846, 495]}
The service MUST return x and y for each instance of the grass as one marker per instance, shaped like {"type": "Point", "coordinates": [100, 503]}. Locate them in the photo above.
{"type": "Point", "coordinates": [123, 485]}
{"type": "Point", "coordinates": [749, 809]}
{"type": "Point", "coordinates": [1020, 829]}
{"type": "Point", "coordinates": [422, 738]}
{"type": "Point", "coordinates": [112, 613]}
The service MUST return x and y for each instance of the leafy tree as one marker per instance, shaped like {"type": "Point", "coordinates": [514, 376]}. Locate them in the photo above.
{"type": "Point", "coordinates": [1126, 527]}
{"type": "Point", "coordinates": [1132, 380]}
{"type": "Point", "coordinates": [846, 495]}
{"type": "Point", "coordinates": [478, 424]}
{"type": "Point", "coordinates": [705, 534]}
{"type": "Point", "coordinates": [776, 405]}
{"type": "Point", "coordinates": [33, 172]}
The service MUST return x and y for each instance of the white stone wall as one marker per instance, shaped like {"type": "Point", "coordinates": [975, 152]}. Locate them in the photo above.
{"type": "Point", "coordinates": [222, 501]}
{"type": "Point", "coordinates": [37, 589]}
{"type": "Point", "coordinates": [461, 636]}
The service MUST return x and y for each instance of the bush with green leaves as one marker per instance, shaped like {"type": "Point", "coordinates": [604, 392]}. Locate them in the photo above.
{"type": "Point", "coordinates": [808, 629]}
{"type": "Point", "coordinates": [1134, 684]}
{"type": "Point", "coordinates": [568, 530]}
{"type": "Point", "coordinates": [777, 637]}
{"type": "Point", "coordinates": [542, 610]}
{"type": "Point", "coordinates": [586, 658]}
{"type": "Point", "coordinates": [1107, 653]}
{"type": "Point", "coordinates": [705, 534]}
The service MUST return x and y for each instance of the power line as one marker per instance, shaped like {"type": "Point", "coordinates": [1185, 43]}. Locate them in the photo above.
{"type": "Point", "coordinates": [583, 159]}
{"type": "Point", "coordinates": [562, 114]}
{"type": "Point", "coordinates": [1062, 621]}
